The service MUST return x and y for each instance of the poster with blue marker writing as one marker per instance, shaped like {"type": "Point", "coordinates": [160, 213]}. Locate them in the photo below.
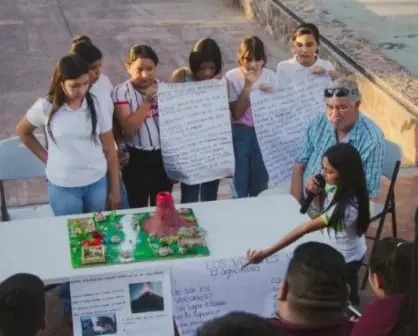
{"type": "Point", "coordinates": [207, 288]}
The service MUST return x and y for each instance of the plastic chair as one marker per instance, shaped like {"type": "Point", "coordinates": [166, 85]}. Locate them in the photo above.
{"type": "Point", "coordinates": [18, 163]}
{"type": "Point", "coordinates": [391, 165]}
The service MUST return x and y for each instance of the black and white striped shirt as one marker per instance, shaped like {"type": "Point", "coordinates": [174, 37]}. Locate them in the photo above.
{"type": "Point", "coordinates": [148, 136]}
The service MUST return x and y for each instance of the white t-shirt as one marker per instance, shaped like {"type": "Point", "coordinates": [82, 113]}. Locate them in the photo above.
{"type": "Point", "coordinates": [291, 70]}
{"type": "Point", "coordinates": [74, 158]}
{"type": "Point", "coordinates": [236, 81]}
{"type": "Point", "coordinates": [148, 136]}
{"type": "Point", "coordinates": [345, 238]}
{"type": "Point", "coordinates": [102, 90]}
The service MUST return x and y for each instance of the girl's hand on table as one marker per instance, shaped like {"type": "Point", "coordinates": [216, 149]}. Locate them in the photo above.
{"type": "Point", "coordinates": [256, 256]}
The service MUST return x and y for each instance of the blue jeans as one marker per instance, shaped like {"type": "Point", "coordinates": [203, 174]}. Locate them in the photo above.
{"type": "Point", "coordinates": [251, 177]}
{"type": "Point", "coordinates": [207, 191]}
{"type": "Point", "coordinates": [77, 200]}
{"type": "Point", "coordinates": [72, 201]}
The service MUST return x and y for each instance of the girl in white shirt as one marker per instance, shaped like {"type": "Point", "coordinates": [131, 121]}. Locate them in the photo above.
{"type": "Point", "coordinates": [136, 111]}
{"type": "Point", "coordinates": [80, 143]}
{"type": "Point", "coordinates": [305, 47]}
{"type": "Point", "coordinates": [251, 177]}
{"type": "Point", "coordinates": [81, 148]}
{"type": "Point", "coordinates": [101, 88]}
{"type": "Point", "coordinates": [345, 212]}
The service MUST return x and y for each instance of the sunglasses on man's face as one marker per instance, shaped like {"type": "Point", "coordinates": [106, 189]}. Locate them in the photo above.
{"type": "Point", "coordinates": [342, 92]}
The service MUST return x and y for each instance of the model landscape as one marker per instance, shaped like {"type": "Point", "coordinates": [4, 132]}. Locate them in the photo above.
{"type": "Point", "coordinates": [117, 238]}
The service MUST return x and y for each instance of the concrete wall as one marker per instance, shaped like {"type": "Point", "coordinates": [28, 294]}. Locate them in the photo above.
{"type": "Point", "coordinates": [386, 103]}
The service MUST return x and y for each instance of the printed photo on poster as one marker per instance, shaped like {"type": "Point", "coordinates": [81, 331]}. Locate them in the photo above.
{"type": "Point", "coordinates": [146, 297]}
{"type": "Point", "coordinates": [104, 324]}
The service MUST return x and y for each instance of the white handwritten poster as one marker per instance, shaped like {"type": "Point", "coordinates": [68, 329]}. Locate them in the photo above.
{"type": "Point", "coordinates": [281, 119]}
{"type": "Point", "coordinates": [124, 304]}
{"type": "Point", "coordinates": [195, 131]}
{"type": "Point", "coordinates": [209, 288]}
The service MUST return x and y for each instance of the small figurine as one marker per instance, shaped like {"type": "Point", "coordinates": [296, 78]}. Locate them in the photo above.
{"type": "Point", "coordinates": [99, 216]}
{"type": "Point", "coordinates": [115, 240]}
{"type": "Point", "coordinates": [164, 251]}
{"type": "Point", "coordinates": [93, 254]}
{"type": "Point", "coordinates": [135, 224]}
{"type": "Point", "coordinates": [97, 235]}
{"type": "Point", "coordinates": [126, 254]}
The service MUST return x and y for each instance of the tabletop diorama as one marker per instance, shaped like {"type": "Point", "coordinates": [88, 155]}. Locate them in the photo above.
{"type": "Point", "coordinates": [118, 238]}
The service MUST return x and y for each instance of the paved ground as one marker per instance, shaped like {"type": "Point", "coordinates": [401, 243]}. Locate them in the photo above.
{"type": "Point", "coordinates": [35, 33]}
{"type": "Point", "coordinates": [390, 25]}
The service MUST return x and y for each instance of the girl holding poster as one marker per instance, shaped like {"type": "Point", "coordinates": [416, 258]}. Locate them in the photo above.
{"type": "Point", "coordinates": [251, 176]}
{"type": "Point", "coordinates": [136, 111]}
{"type": "Point", "coordinates": [205, 62]}
{"type": "Point", "coordinates": [305, 47]}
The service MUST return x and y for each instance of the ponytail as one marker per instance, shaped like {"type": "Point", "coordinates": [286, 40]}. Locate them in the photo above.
{"type": "Point", "coordinates": [407, 322]}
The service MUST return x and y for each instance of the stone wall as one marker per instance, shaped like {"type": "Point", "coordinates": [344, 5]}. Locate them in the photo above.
{"type": "Point", "coordinates": [389, 91]}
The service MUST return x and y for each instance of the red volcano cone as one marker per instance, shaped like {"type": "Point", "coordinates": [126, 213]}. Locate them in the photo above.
{"type": "Point", "coordinates": [166, 221]}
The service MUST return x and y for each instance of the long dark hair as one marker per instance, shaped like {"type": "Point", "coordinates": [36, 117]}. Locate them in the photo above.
{"type": "Point", "coordinates": [69, 67]}
{"type": "Point", "coordinates": [87, 51]}
{"type": "Point", "coordinates": [205, 50]}
{"type": "Point", "coordinates": [407, 319]}
{"type": "Point", "coordinates": [351, 186]}
{"type": "Point", "coordinates": [391, 261]}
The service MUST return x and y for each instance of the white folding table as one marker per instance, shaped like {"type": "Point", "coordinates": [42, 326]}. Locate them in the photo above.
{"type": "Point", "coordinates": [41, 246]}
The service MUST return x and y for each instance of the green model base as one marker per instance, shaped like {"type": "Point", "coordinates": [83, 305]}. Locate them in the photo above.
{"type": "Point", "coordinates": [109, 242]}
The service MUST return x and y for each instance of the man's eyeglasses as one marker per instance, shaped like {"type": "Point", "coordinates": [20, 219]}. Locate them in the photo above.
{"type": "Point", "coordinates": [342, 92]}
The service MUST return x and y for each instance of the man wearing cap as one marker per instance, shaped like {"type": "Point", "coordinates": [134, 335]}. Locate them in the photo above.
{"type": "Point", "coordinates": [341, 123]}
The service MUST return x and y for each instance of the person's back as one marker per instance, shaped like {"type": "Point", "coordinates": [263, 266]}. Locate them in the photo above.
{"type": "Point", "coordinates": [313, 297]}
{"type": "Point", "coordinates": [392, 277]}
{"type": "Point", "coordinates": [22, 306]}
{"type": "Point", "coordinates": [239, 324]}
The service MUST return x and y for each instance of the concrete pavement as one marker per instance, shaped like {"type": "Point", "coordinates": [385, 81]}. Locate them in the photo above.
{"type": "Point", "coordinates": [390, 25]}
{"type": "Point", "coordinates": [36, 33]}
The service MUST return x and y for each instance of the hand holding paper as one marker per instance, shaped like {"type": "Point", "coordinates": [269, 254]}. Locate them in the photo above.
{"type": "Point", "coordinates": [318, 70]}
{"type": "Point", "coordinates": [151, 93]}
{"type": "Point", "coordinates": [265, 87]}
{"type": "Point", "coordinates": [333, 74]}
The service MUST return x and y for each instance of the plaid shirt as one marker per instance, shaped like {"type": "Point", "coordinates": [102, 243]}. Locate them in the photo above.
{"type": "Point", "coordinates": [365, 136]}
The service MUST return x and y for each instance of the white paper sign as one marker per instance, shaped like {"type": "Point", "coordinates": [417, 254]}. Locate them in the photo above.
{"type": "Point", "coordinates": [124, 304]}
{"type": "Point", "coordinates": [195, 131]}
{"type": "Point", "coordinates": [281, 119]}
{"type": "Point", "coordinates": [209, 288]}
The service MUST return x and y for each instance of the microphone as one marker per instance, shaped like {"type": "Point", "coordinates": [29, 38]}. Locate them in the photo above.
{"type": "Point", "coordinates": [310, 196]}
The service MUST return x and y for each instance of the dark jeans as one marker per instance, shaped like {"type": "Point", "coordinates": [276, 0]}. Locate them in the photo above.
{"type": "Point", "coordinates": [207, 191]}
{"type": "Point", "coordinates": [353, 268]}
{"type": "Point", "coordinates": [144, 177]}
{"type": "Point", "coordinates": [251, 177]}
